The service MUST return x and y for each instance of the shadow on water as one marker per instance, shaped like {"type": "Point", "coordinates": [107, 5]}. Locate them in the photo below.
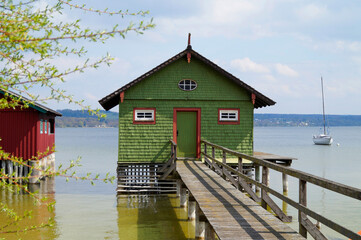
{"type": "Point", "coordinates": [21, 203]}
{"type": "Point", "coordinates": [153, 217]}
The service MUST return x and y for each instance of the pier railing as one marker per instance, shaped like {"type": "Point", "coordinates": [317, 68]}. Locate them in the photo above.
{"type": "Point", "coordinates": [243, 181]}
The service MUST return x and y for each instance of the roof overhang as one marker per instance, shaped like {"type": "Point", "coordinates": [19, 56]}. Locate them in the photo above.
{"type": "Point", "coordinates": [32, 104]}
{"type": "Point", "coordinates": [113, 99]}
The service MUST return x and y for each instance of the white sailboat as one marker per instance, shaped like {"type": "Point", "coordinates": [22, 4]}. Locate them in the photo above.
{"type": "Point", "coordinates": [323, 138]}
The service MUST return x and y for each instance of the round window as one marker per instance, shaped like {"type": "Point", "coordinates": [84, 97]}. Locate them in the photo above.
{"type": "Point", "coordinates": [187, 85]}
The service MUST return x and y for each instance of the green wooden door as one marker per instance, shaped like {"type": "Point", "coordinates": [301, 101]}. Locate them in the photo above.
{"type": "Point", "coordinates": [187, 134]}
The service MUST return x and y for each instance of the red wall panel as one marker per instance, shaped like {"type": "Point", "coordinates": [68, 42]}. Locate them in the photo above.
{"type": "Point", "coordinates": [20, 132]}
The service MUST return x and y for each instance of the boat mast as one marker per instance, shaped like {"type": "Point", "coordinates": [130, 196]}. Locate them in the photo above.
{"type": "Point", "coordinates": [323, 108]}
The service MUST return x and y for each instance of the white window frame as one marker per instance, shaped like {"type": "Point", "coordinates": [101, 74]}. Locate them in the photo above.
{"type": "Point", "coordinates": [41, 126]}
{"type": "Point", "coordinates": [144, 119]}
{"type": "Point", "coordinates": [226, 118]}
{"type": "Point", "coordinates": [190, 84]}
{"type": "Point", "coordinates": [45, 126]}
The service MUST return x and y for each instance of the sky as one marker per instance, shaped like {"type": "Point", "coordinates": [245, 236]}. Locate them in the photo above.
{"type": "Point", "coordinates": [279, 47]}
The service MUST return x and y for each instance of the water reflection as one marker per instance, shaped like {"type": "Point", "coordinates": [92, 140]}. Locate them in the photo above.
{"type": "Point", "coordinates": [21, 203]}
{"type": "Point", "coordinates": [153, 217]}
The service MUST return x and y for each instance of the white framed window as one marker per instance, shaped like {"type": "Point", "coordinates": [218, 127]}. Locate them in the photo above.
{"type": "Point", "coordinates": [228, 116]}
{"type": "Point", "coordinates": [187, 85]}
{"type": "Point", "coordinates": [144, 116]}
{"type": "Point", "coordinates": [41, 126]}
{"type": "Point", "coordinates": [45, 126]}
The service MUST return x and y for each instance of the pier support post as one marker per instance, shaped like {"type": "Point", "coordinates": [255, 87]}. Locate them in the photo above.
{"type": "Point", "coordinates": [179, 186]}
{"type": "Point", "coordinates": [192, 206]}
{"type": "Point", "coordinates": [21, 170]}
{"type": "Point", "coordinates": [285, 182]}
{"type": "Point", "coordinates": [200, 224]}
{"type": "Point", "coordinates": [26, 169]}
{"type": "Point", "coordinates": [10, 168]}
{"type": "Point", "coordinates": [183, 197]}
{"type": "Point", "coordinates": [3, 165]}
{"type": "Point", "coordinates": [35, 173]}
{"type": "Point", "coordinates": [210, 234]}
{"type": "Point", "coordinates": [16, 170]}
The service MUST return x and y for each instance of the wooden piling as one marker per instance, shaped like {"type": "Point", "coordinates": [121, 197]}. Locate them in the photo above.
{"type": "Point", "coordinates": [209, 232]}
{"type": "Point", "coordinates": [3, 165]}
{"type": "Point", "coordinates": [10, 168]}
{"type": "Point", "coordinates": [192, 209]}
{"type": "Point", "coordinates": [285, 182]}
{"type": "Point", "coordinates": [35, 173]}
{"type": "Point", "coordinates": [179, 187]}
{"type": "Point", "coordinates": [183, 197]}
{"type": "Point", "coordinates": [200, 226]}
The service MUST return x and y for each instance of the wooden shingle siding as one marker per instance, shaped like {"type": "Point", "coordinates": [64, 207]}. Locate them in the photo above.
{"type": "Point", "coordinates": [164, 84]}
{"type": "Point", "coordinates": [150, 143]}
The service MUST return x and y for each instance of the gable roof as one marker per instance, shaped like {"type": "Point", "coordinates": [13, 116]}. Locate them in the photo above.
{"type": "Point", "coordinates": [112, 99]}
{"type": "Point", "coordinates": [32, 104]}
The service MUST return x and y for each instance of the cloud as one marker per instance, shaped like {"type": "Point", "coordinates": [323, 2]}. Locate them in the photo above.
{"type": "Point", "coordinates": [231, 18]}
{"type": "Point", "coordinates": [285, 70]}
{"type": "Point", "coordinates": [247, 65]}
{"type": "Point", "coordinates": [312, 12]}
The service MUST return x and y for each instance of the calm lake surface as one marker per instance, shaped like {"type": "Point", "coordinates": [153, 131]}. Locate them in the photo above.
{"type": "Point", "coordinates": [83, 211]}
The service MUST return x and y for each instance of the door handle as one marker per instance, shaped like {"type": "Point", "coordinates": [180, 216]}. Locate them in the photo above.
{"type": "Point", "coordinates": [177, 133]}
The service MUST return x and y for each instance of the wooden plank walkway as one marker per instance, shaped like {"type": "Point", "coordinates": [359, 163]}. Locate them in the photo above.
{"type": "Point", "coordinates": [231, 213]}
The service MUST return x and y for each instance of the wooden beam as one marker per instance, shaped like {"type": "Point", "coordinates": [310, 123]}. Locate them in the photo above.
{"type": "Point", "coordinates": [276, 209]}
{"type": "Point", "coordinates": [311, 228]}
{"type": "Point", "coordinates": [169, 171]}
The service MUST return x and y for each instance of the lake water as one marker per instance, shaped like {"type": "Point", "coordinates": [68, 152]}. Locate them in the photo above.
{"type": "Point", "coordinates": [83, 211]}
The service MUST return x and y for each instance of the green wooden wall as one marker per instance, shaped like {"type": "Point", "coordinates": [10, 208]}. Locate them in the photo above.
{"type": "Point", "coordinates": [150, 143]}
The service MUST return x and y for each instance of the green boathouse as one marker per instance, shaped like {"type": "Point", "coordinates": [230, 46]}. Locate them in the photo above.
{"type": "Point", "coordinates": [185, 99]}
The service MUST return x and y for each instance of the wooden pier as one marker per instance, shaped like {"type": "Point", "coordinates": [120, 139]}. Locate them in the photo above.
{"type": "Point", "coordinates": [223, 199]}
{"type": "Point", "coordinates": [229, 213]}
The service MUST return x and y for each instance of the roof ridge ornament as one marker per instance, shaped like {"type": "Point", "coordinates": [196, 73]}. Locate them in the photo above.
{"type": "Point", "coordinates": [189, 48]}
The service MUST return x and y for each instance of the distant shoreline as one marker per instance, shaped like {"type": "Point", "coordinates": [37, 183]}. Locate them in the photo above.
{"type": "Point", "coordinates": [81, 119]}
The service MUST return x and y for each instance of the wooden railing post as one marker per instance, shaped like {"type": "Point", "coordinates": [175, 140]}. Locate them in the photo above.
{"type": "Point", "coordinates": [265, 181]}
{"type": "Point", "coordinates": [213, 156]}
{"type": "Point", "coordinates": [224, 160]}
{"type": "Point", "coordinates": [240, 169]}
{"type": "Point", "coordinates": [175, 152]}
{"type": "Point", "coordinates": [302, 201]}
{"type": "Point", "coordinates": [172, 150]}
{"type": "Point", "coordinates": [257, 176]}
{"type": "Point", "coordinates": [205, 153]}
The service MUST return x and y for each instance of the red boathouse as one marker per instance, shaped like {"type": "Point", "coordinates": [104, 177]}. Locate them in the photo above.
{"type": "Point", "coordinates": [27, 133]}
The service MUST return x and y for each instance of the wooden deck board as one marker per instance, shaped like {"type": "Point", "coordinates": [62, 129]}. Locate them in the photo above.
{"type": "Point", "coordinates": [231, 213]}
